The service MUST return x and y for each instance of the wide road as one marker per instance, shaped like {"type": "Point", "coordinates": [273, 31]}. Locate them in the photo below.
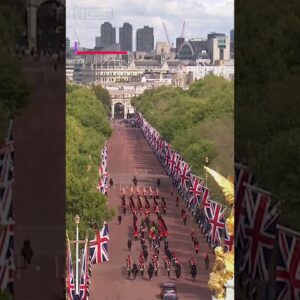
{"type": "Point", "coordinates": [39, 189]}
{"type": "Point", "coordinates": [129, 154]}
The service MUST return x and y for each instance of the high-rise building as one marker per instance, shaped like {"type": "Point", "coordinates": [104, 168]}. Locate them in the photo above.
{"type": "Point", "coordinates": [179, 42]}
{"type": "Point", "coordinates": [145, 39]}
{"type": "Point", "coordinates": [125, 37]}
{"type": "Point", "coordinates": [108, 34]}
{"type": "Point", "coordinates": [98, 42]}
{"type": "Point", "coordinates": [214, 35]}
{"type": "Point", "coordinates": [232, 43]}
{"type": "Point", "coordinates": [218, 48]}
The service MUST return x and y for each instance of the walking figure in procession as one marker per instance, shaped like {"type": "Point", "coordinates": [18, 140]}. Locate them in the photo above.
{"type": "Point", "coordinates": [207, 262]}
{"type": "Point", "coordinates": [177, 201]}
{"type": "Point", "coordinates": [192, 235]}
{"type": "Point", "coordinates": [27, 253]}
{"type": "Point", "coordinates": [129, 243]}
{"type": "Point", "coordinates": [196, 245]}
{"type": "Point", "coordinates": [111, 182]}
{"type": "Point", "coordinates": [150, 271]}
{"type": "Point", "coordinates": [134, 270]}
{"type": "Point", "coordinates": [194, 271]}
{"type": "Point", "coordinates": [128, 266]}
{"type": "Point", "coordinates": [120, 219]}
{"type": "Point", "coordinates": [134, 180]}
{"type": "Point", "coordinates": [158, 182]}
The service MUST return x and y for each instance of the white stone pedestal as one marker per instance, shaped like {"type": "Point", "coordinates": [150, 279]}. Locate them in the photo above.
{"type": "Point", "coordinates": [229, 289]}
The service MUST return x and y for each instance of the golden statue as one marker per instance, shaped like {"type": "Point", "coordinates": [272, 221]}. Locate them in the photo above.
{"type": "Point", "coordinates": [223, 269]}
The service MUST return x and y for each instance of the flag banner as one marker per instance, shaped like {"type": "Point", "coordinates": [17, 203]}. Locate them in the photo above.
{"type": "Point", "coordinates": [242, 176]}
{"type": "Point", "coordinates": [216, 218]}
{"type": "Point", "coordinates": [288, 265]}
{"type": "Point", "coordinates": [99, 246]}
{"type": "Point", "coordinates": [228, 240]}
{"type": "Point", "coordinates": [195, 190]}
{"type": "Point", "coordinates": [102, 186]}
{"type": "Point", "coordinates": [84, 273]}
{"type": "Point", "coordinates": [260, 232]}
{"type": "Point", "coordinates": [70, 275]}
{"type": "Point", "coordinates": [7, 264]}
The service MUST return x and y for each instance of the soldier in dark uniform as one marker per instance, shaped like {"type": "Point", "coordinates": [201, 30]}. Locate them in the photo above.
{"type": "Point", "coordinates": [150, 271]}
{"type": "Point", "coordinates": [120, 219]}
{"type": "Point", "coordinates": [207, 261]}
{"type": "Point", "coordinates": [134, 270]}
{"type": "Point", "coordinates": [129, 244]}
{"type": "Point", "coordinates": [27, 252]}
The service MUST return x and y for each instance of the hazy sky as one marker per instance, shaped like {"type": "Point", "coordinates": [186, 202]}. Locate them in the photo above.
{"type": "Point", "coordinates": [201, 17]}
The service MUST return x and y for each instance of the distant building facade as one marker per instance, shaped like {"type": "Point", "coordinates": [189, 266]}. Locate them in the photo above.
{"type": "Point", "coordinates": [145, 39]}
{"type": "Point", "coordinates": [108, 35]}
{"type": "Point", "coordinates": [125, 37]}
{"type": "Point", "coordinates": [98, 42]}
{"type": "Point", "coordinates": [193, 49]}
{"type": "Point", "coordinates": [218, 47]}
{"type": "Point", "coordinates": [232, 43]}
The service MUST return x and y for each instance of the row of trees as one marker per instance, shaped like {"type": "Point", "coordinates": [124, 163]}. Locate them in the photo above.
{"type": "Point", "coordinates": [87, 129]}
{"type": "Point", "coordinates": [198, 123]}
{"type": "Point", "coordinates": [14, 89]}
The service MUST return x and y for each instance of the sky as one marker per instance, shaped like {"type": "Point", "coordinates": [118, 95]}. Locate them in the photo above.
{"type": "Point", "coordinates": [201, 17]}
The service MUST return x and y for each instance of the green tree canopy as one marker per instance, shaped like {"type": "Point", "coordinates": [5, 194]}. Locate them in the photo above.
{"type": "Point", "coordinates": [87, 131]}
{"type": "Point", "coordinates": [198, 123]}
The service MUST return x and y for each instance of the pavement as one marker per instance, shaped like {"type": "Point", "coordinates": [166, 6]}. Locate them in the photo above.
{"type": "Point", "coordinates": [129, 154]}
{"type": "Point", "coordinates": [39, 189]}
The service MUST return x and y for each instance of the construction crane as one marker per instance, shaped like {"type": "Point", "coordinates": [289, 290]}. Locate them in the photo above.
{"type": "Point", "coordinates": [182, 33]}
{"type": "Point", "coordinates": [77, 38]}
{"type": "Point", "coordinates": [171, 45]}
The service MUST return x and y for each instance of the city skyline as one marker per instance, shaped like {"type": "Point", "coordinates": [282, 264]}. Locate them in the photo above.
{"type": "Point", "coordinates": [201, 17]}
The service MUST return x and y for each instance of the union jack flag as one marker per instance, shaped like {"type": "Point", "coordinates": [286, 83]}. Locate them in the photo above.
{"type": "Point", "coordinates": [70, 275]}
{"type": "Point", "coordinates": [195, 189]}
{"type": "Point", "coordinates": [228, 240]}
{"type": "Point", "coordinates": [206, 201]}
{"type": "Point", "coordinates": [184, 176]}
{"type": "Point", "coordinates": [242, 176]}
{"type": "Point", "coordinates": [177, 168]}
{"type": "Point", "coordinates": [217, 221]}
{"type": "Point", "coordinates": [99, 246]}
{"type": "Point", "coordinates": [6, 212]}
{"type": "Point", "coordinates": [84, 274]}
{"type": "Point", "coordinates": [172, 163]}
{"type": "Point", "coordinates": [260, 232]}
{"type": "Point", "coordinates": [288, 265]}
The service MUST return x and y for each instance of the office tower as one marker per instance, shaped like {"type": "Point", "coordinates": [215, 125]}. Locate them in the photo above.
{"type": "Point", "coordinates": [125, 37]}
{"type": "Point", "coordinates": [145, 39]}
{"type": "Point", "coordinates": [179, 42]}
{"type": "Point", "coordinates": [108, 35]}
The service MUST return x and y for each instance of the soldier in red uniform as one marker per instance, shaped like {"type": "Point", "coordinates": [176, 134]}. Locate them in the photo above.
{"type": "Point", "coordinates": [142, 263]}
{"type": "Point", "coordinates": [128, 265]}
{"type": "Point", "coordinates": [192, 234]}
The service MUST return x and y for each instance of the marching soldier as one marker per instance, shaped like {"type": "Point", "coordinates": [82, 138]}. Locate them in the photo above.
{"type": "Point", "coordinates": [196, 245]}
{"type": "Point", "coordinates": [150, 271]}
{"type": "Point", "coordinates": [128, 265]}
{"type": "Point", "coordinates": [134, 270]}
{"type": "Point", "coordinates": [192, 235]}
{"type": "Point", "coordinates": [129, 243]}
{"type": "Point", "coordinates": [120, 219]}
{"type": "Point", "coordinates": [177, 201]}
{"type": "Point", "coordinates": [207, 262]}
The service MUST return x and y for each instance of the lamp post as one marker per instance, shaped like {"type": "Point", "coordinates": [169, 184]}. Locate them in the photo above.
{"type": "Point", "coordinates": [206, 164]}
{"type": "Point", "coordinates": [77, 220]}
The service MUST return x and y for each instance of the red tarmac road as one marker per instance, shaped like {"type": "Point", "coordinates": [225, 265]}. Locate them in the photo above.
{"type": "Point", "coordinates": [39, 189]}
{"type": "Point", "coordinates": [129, 154]}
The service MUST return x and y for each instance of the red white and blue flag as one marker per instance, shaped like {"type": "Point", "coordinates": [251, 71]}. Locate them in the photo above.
{"type": "Point", "coordinates": [216, 218]}
{"type": "Point", "coordinates": [288, 265]}
{"type": "Point", "coordinates": [242, 176]}
{"type": "Point", "coordinates": [195, 189]}
{"type": "Point", "coordinates": [70, 275]}
{"type": "Point", "coordinates": [260, 232]}
{"type": "Point", "coordinates": [185, 172]}
{"type": "Point", "coordinates": [228, 240]}
{"type": "Point", "coordinates": [84, 276]}
{"type": "Point", "coordinates": [99, 246]}
{"type": "Point", "coordinates": [6, 212]}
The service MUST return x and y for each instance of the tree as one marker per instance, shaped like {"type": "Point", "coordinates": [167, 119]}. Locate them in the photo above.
{"type": "Point", "coordinates": [103, 95]}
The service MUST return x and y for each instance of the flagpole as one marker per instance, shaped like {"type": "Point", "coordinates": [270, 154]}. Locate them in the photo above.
{"type": "Point", "coordinates": [77, 220]}
{"type": "Point", "coordinates": [206, 164]}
